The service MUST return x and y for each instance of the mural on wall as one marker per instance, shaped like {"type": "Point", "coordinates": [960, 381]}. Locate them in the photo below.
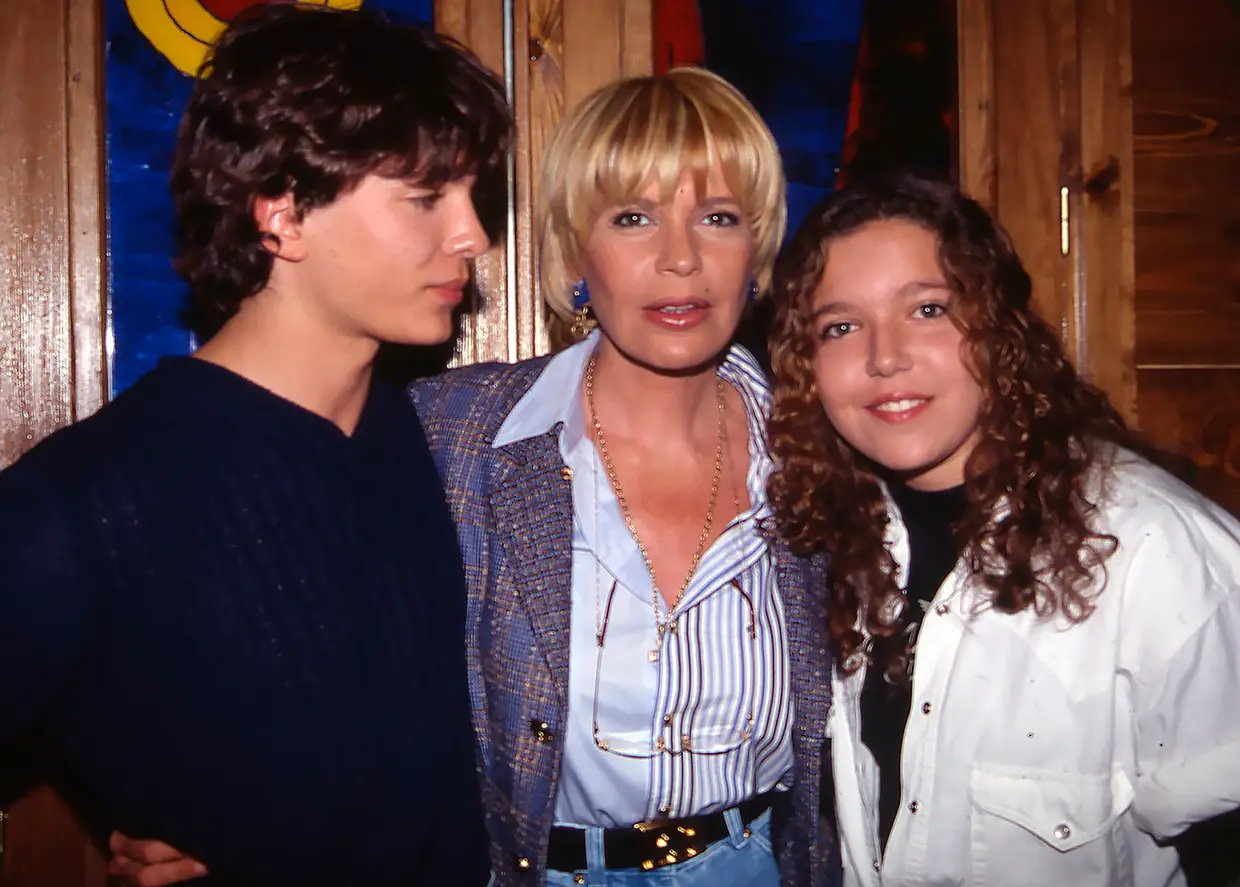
{"type": "Point", "coordinates": [795, 61]}
{"type": "Point", "coordinates": [153, 49]}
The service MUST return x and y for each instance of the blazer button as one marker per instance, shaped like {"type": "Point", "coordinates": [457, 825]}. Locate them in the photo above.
{"type": "Point", "coordinates": [566, 473]}
{"type": "Point", "coordinates": [541, 730]}
{"type": "Point", "coordinates": [523, 863]}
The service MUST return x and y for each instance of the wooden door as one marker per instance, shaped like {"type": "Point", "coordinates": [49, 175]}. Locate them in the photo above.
{"type": "Point", "coordinates": [1045, 141]}
{"type": "Point", "coordinates": [51, 326]}
{"type": "Point", "coordinates": [1131, 240]}
{"type": "Point", "coordinates": [1186, 96]}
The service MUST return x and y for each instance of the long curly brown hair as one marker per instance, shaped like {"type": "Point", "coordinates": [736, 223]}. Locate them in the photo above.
{"type": "Point", "coordinates": [1026, 533]}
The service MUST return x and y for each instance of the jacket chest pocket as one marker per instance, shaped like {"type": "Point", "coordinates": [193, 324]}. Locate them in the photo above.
{"type": "Point", "coordinates": [1037, 827]}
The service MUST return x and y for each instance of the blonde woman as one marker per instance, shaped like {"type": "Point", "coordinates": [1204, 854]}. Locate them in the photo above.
{"type": "Point", "coordinates": [638, 648]}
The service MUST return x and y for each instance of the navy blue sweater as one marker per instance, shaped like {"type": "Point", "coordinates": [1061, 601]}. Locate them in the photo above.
{"type": "Point", "coordinates": [245, 631]}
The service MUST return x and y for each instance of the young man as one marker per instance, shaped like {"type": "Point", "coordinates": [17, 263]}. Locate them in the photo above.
{"type": "Point", "coordinates": [257, 534]}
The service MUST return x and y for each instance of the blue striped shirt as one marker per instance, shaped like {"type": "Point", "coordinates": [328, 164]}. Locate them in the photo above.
{"type": "Point", "coordinates": [709, 723]}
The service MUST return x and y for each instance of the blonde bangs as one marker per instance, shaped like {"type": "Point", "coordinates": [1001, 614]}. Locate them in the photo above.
{"type": "Point", "coordinates": [627, 135]}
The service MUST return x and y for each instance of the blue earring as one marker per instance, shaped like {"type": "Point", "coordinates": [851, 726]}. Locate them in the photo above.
{"type": "Point", "coordinates": [753, 289]}
{"type": "Point", "coordinates": [581, 312]}
{"type": "Point", "coordinates": [581, 295]}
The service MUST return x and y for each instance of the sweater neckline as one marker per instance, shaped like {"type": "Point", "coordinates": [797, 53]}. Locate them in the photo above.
{"type": "Point", "coordinates": [221, 392]}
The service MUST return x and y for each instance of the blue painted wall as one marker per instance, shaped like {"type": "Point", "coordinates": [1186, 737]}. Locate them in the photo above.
{"type": "Point", "coordinates": [794, 59]}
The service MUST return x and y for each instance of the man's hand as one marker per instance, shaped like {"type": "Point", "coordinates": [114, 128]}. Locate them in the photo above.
{"type": "Point", "coordinates": [150, 863]}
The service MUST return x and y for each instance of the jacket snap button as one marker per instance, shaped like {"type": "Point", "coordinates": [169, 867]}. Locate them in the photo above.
{"type": "Point", "coordinates": [541, 730]}
{"type": "Point", "coordinates": [913, 807]}
{"type": "Point", "coordinates": [1063, 831]}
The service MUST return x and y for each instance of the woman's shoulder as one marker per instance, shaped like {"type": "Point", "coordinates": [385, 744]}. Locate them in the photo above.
{"type": "Point", "coordinates": [463, 390]}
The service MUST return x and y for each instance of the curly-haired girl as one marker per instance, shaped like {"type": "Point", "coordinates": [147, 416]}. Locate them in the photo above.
{"type": "Point", "coordinates": [1036, 628]}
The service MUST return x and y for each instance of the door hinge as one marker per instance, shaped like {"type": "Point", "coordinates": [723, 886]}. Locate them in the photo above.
{"type": "Point", "coordinates": [1065, 223]}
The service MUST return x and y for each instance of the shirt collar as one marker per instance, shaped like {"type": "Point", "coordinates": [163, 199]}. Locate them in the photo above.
{"type": "Point", "coordinates": [552, 400]}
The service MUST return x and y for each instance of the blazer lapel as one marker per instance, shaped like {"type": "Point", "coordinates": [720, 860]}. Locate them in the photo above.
{"type": "Point", "coordinates": [805, 608]}
{"type": "Point", "coordinates": [533, 507]}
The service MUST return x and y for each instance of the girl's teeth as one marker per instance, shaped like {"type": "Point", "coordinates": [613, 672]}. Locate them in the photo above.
{"type": "Point", "coordinates": [898, 406]}
{"type": "Point", "coordinates": [676, 309]}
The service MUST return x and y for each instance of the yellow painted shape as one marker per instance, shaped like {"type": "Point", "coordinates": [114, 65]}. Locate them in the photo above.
{"type": "Point", "coordinates": [183, 30]}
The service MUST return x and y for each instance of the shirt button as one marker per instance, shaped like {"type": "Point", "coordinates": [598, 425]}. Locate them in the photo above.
{"type": "Point", "coordinates": [877, 866]}
{"type": "Point", "coordinates": [566, 473]}
{"type": "Point", "coordinates": [665, 810]}
{"type": "Point", "coordinates": [671, 626]}
{"type": "Point", "coordinates": [1063, 831]}
{"type": "Point", "coordinates": [667, 719]}
{"type": "Point", "coordinates": [942, 609]}
{"type": "Point", "coordinates": [913, 807]}
{"type": "Point", "coordinates": [926, 708]}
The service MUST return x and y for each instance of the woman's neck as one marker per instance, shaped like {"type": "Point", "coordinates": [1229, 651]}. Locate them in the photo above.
{"type": "Point", "coordinates": [642, 404]}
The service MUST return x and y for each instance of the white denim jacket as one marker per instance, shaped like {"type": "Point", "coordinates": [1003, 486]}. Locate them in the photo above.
{"type": "Point", "coordinates": [1043, 753]}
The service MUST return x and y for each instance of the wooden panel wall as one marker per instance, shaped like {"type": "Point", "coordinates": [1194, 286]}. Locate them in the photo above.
{"type": "Point", "coordinates": [1186, 91]}
{"type": "Point", "coordinates": [1045, 141]}
{"type": "Point", "coordinates": [52, 367]}
{"type": "Point", "coordinates": [562, 51]}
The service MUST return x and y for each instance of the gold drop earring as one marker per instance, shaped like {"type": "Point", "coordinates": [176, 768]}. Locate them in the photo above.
{"type": "Point", "coordinates": [582, 324]}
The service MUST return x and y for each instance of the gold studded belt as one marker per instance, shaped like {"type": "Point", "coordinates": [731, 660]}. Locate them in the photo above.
{"type": "Point", "coordinates": [649, 845]}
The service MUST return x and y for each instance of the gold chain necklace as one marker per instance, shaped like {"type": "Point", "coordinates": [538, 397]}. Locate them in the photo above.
{"type": "Point", "coordinates": [659, 624]}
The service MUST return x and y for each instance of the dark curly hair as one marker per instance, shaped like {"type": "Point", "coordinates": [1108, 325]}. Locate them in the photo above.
{"type": "Point", "coordinates": [1026, 533]}
{"type": "Point", "coordinates": [308, 100]}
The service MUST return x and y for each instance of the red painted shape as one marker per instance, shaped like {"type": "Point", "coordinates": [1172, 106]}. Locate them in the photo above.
{"type": "Point", "coordinates": [226, 10]}
{"type": "Point", "coordinates": [677, 35]}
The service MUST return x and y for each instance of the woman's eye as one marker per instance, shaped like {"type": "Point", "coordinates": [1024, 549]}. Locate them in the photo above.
{"type": "Point", "coordinates": [836, 330]}
{"type": "Point", "coordinates": [722, 220]}
{"type": "Point", "coordinates": [931, 310]}
{"type": "Point", "coordinates": [630, 219]}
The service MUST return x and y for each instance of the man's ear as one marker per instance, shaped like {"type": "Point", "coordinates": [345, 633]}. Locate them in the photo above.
{"type": "Point", "coordinates": [281, 227]}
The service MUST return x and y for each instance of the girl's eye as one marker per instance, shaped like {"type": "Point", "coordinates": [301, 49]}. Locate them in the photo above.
{"type": "Point", "coordinates": [931, 310]}
{"type": "Point", "coordinates": [631, 219]}
{"type": "Point", "coordinates": [722, 220]}
{"type": "Point", "coordinates": [836, 330]}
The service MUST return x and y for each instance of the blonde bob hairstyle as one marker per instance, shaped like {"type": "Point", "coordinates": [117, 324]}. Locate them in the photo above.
{"type": "Point", "coordinates": [623, 136]}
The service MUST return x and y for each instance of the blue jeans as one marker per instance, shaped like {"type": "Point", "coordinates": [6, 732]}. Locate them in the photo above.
{"type": "Point", "coordinates": [734, 860]}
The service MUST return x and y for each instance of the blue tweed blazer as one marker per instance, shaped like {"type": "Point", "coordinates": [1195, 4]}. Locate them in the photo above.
{"type": "Point", "coordinates": [514, 512]}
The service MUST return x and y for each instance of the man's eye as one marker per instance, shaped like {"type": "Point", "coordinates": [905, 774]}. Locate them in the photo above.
{"type": "Point", "coordinates": [426, 201]}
